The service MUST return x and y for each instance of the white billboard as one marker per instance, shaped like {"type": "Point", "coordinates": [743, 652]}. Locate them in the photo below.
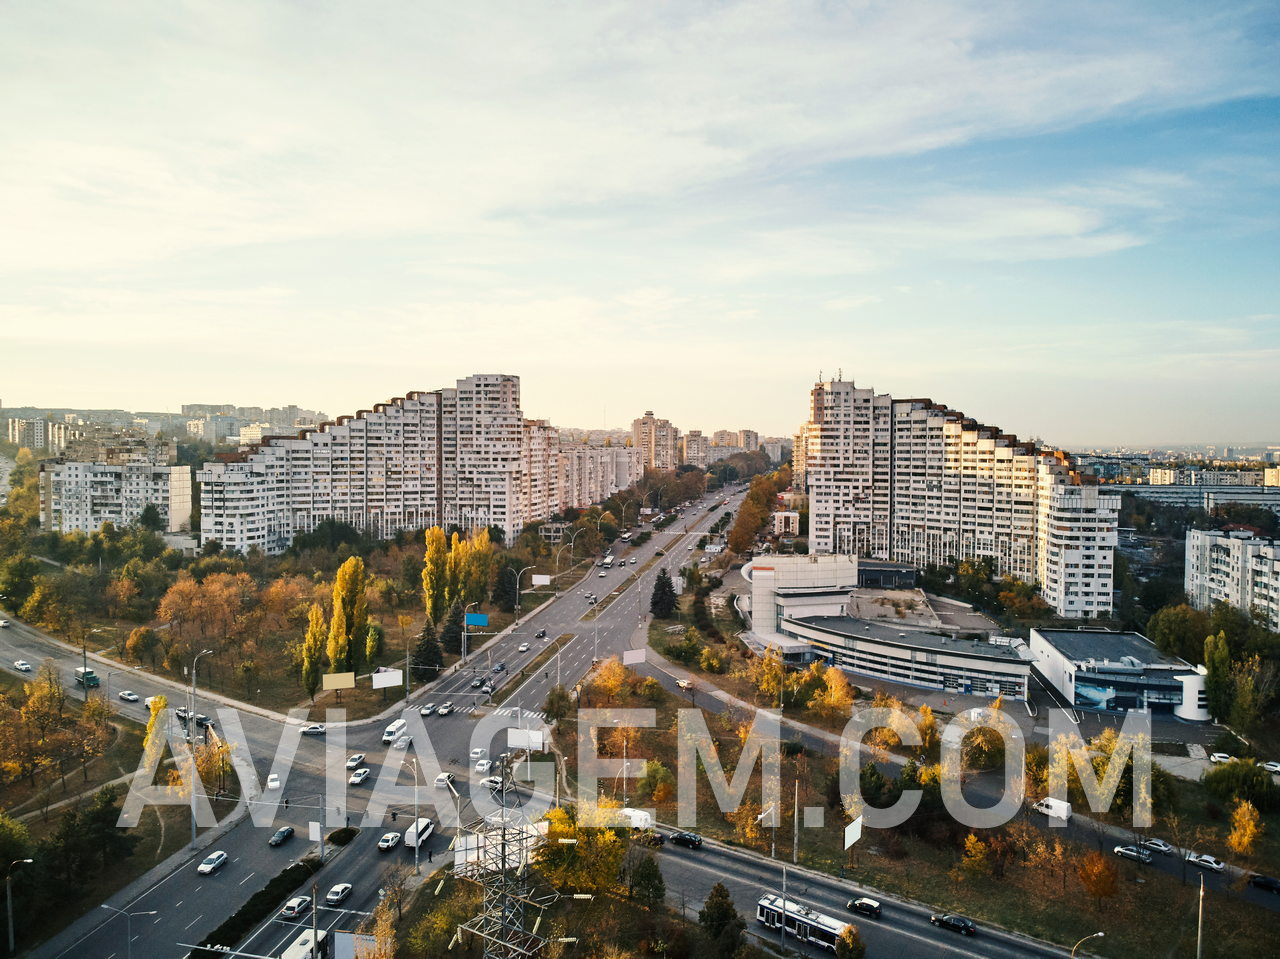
{"type": "Point", "coordinates": [388, 678]}
{"type": "Point", "coordinates": [541, 579]}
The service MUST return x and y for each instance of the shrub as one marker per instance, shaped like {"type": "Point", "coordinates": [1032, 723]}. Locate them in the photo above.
{"type": "Point", "coordinates": [340, 837]}
{"type": "Point", "coordinates": [1243, 781]}
{"type": "Point", "coordinates": [262, 904]}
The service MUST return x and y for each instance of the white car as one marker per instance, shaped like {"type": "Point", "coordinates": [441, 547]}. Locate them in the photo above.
{"type": "Point", "coordinates": [129, 696]}
{"type": "Point", "coordinates": [22, 666]}
{"type": "Point", "coordinates": [601, 575]}
{"type": "Point", "coordinates": [354, 761]}
{"type": "Point", "coordinates": [445, 709]}
{"type": "Point", "coordinates": [338, 893]}
{"type": "Point", "coordinates": [1205, 861]}
{"type": "Point", "coordinates": [689, 548]}
{"type": "Point", "coordinates": [479, 752]}
{"type": "Point", "coordinates": [296, 907]}
{"type": "Point", "coordinates": [389, 840]}
{"type": "Point", "coordinates": [492, 782]}
{"type": "Point", "coordinates": [1158, 845]}
{"type": "Point", "coordinates": [444, 779]}
{"type": "Point", "coordinates": [315, 729]}
{"type": "Point", "coordinates": [1222, 758]}
{"type": "Point", "coordinates": [402, 743]}
{"type": "Point", "coordinates": [273, 781]}
{"type": "Point", "coordinates": [633, 560]}
{"type": "Point", "coordinates": [212, 863]}
{"type": "Point", "coordinates": [483, 766]}
{"type": "Point", "coordinates": [427, 710]}
{"type": "Point", "coordinates": [359, 776]}
{"type": "Point", "coordinates": [3, 623]}
{"type": "Point", "coordinates": [1272, 767]}
{"type": "Point", "coordinates": [523, 648]}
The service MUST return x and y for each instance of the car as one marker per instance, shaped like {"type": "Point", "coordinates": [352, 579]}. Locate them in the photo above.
{"type": "Point", "coordinates": [1221, 758]}
{"type": "Point", "coordinates": [479, 752]}
{"type": "Point", "coordinates": [296, 907]}
{"type": "Point", "coordinates": [868, 907]}
{"type": "Point", "coordinates": [3, 623]}
{"type": "Point", "coordinates": [1158, 845]}
{"type": "Point", "coordinates": [338, 893]}
{"type": "Point", "coordinates": [540, 634]}
{"type": "Point", "coordinates": [359, 776]}
{"type": "Point", "coordinates": [444, 779]}
{"type": "Point", "coordinates": [649, 837]}
{"type": "Point", "coordinates": [633, 560]}
{"type": "Point", "coordinates": [949, 920]}
{"type": "Point", "coordinates": [148, 701]}
{"type": "Point", "coordinates": [477, 683]}
{"type": "Point", "coordinates": [661, 552]}
{"type": "Point", "coordinates": [203, 721]}
{"type": "Point", "coordinates": [402, 743]}
{"type": "Point", "coordinates": [684, 683]}
{"type": "Point", "coordinates": [522, 648]}
{"type": "Point", "coordinates": [591, 601]}
{"type": "Point", "coordinates": [1205, 861]}
{"type": "Point", "coordinates": [689, 839]}
{"type": "Point", "coordinates": [492, 782]}
{"type": "Point", "coordinates": [353, 762]}
{"type": "Point", "coordinates": [315, 729]}
{"type": "Point", "coordinates": [1133, 852]}
{"type": "Point", "coordinates": [427, 710]}
{"type": "Point", "coordinates": [22, 666]}
{"type": "Point", "coordinates": [1267, 883]}
{"type": "Point", "coordinates": [388, 841]}
{"type": "Point", "coordinates": [273, 781]}
{"type": "Point", "coordinates": [212, 863]}
{"type": "Point", "coordinates": [487, 688]}
{"type": "Point", "coordinates": [282, 835]}
{"type": "Point", "coordinates": [182, 713]}
{"type": "Point", "coordinates": [1272, 767]}
{"type": "Point", "coordinates": [445, 709]}
{"type": "Point", "coordinates": [483, 766]}
{"type": "Point", "coordinates": [601, 575]}
{"type": "Point", "coordinates": [499, 667]}
{"type": "Point", "coordinates": [128, 695]}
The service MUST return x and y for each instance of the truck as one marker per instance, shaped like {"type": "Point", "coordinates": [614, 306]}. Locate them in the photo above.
{"type": "Point", "coordinates": [87, 678]}
{"type": "Point", "coordinates": [1053, 808]}
{"type": "Point", "coordinates": [419, 832]}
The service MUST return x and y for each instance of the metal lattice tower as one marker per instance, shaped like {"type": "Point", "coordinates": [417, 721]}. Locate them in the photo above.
{"type": "Point", "coordinates": [497, 852]}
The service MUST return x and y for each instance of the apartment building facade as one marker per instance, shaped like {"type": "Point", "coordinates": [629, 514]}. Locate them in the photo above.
{"type": "Point", "coordinates": [463, 456]}
{"type": "Point", "coordinates": [78, 496]}
{"type": "Point", "coordinates": [696, 447]}
{"type": "Point", "coordinates": [657, 440]}
{"type": "Point", "coordinates": [38, 434]}
{"type": "Point", "coordinates": [1234, 567]}
{"type": "Point", "coordinates": [913, 481]}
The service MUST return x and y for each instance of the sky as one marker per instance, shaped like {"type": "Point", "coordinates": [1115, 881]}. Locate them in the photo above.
{"type": "Point", "coordinates": [1061, 219]}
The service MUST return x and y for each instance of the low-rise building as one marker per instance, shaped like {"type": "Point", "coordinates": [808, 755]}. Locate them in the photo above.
{"type": "Point", "coordinates": [786, 522]}
{"type": "Point", "coordinates": [1118, 671]}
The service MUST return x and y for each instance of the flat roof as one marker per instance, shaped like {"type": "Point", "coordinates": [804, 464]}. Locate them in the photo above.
{"type": "Point", "coordinates": [1080, 645]}
{"type": "Point", "coordinates": [908, 638]}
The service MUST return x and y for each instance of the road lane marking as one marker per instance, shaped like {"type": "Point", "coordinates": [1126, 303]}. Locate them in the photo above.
{"type": "Point", "coordinates": [247, 878]}
{"type": "Point", "coordinates": [194, 921]}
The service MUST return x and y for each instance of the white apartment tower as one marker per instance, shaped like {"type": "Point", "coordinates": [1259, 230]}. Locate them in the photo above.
{"type": "Point", "coordinates": [913, 481]}
{"type": "Point", "coordinates": [657, 440]}
{"type": "Point", "coordinates": [1236, 568]}
{"type": "Point", "coordinates": [696, 448]}
{"type": "Point", "coordinates": [84, 496]}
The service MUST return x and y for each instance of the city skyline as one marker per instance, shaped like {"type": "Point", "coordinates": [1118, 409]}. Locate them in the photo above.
{"type": "Point", "coordinates": [967, 203]}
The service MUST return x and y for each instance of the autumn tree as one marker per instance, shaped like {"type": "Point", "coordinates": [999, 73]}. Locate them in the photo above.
{"type": "Point", "coordinates": [558, 705]}
{"type": "Point", "coordinates": [975, 861]}
{"type": "Point", "coordinates": [143, 643]}
{"type": "Point", "coordinates": [433, 574]}
{"type": "Point", "coordinates": [611, 678]}
{"type": "Point", "coordinates": [592, 860]}
{"type": "Point", "coordinates": [849, 944]}
{"type": "Point", "coordinates": [835, 697]}
{"type": "Point", "coordinates": [1098, 876]}
{"type": "Point", "coordinates": [339, 640]}
{"type": "Point", "coordinates": [313, 651]}
{"type": "Point", "coordinates": [720, 921]}
{"type": "Point", "coordinates": [349, 596]}
{"type": "Point", "coordinates": [1246, 827]}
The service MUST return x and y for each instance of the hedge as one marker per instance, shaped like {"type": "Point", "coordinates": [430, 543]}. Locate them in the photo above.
{"type": "Point", "coordinates": [262, 904]}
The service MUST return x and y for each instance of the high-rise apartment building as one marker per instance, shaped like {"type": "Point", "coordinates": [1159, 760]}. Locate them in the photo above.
{"type": "Point", "coordinates": [749, 440]}
{"type": "Point", "coordinates": [695, 449]}
{"type": "Point", "coordinates": [913, 481]}
{"type": "Point", "coordinates": [657, 440]}
{"type": "Point", "coordinates": [725, 437]}
{"type": "Point", "coordinates": [463, 456]}
{"type": "Point", "coordinates": [38, 434]}
{"type": "Point", "coordinates": [84, 496]}
{"type": "Point", "coordinates": [1236, 568]}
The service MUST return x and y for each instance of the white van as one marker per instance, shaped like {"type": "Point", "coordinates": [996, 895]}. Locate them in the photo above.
{"type": "Point", "coordinates": [392, 732]}
{"type": "Point", "coordinates": [1053, 808]}
{"type": "Point", "coordinates": [418, 832]}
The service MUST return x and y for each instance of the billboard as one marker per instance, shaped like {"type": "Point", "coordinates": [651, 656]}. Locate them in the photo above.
{"type": "Point", "coordinates": [477, 619]}
{"type": "Point", "coordinates": [630, 656]}
{"type": "Point", "coordinates": [541, 579]}
{"type": "Point", "coordinates": [339, 680]}
{"type": "Point", "coordinates": [387, 678]}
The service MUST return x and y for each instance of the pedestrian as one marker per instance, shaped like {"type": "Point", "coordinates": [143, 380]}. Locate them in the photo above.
{"type": "Point", "coordinates": [393, 815]}
{"type": "Point", "coordinates": [286, 804]}
{"type": "Point", "coordinates": [428, 855]}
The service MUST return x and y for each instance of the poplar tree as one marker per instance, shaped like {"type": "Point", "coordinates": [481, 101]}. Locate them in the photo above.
{"type": "Point", "coordinates": [313, 650]}
{"type": "Point", "coordinates": [348, 595]}
{"type": "Point", "coordinates": [339, 641]}
{"type": "Point", "coordinates": [433, 574]}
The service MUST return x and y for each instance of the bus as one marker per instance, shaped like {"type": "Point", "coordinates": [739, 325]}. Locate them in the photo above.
{"type": "Point", "coordinates": [420, 831]}
{"type": "Point", "coordinates": [301, 948]}
{"type": "Point", "coordinates": [802, 922]}
{"type": "Point", "coordinates": [625, 537]}
{"type": "Point", "coordinates": [608, 561]}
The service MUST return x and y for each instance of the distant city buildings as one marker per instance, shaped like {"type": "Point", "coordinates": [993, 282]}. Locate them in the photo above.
{"type": "Point", "coordinates": [913, 481]}
{"type": "Point", "coordinates": [1234, 567]}
{"type": "Point", "coordinates": [696, 447]}
{"type": "Point", "coordinates": [84, 496]}
{"type": "Point", "coordinates": [1159, 476]}
{"type": "Point", "coordinates": [40, 434]}
{"type": "Point", "coordinates": [463, 456]}
{"type": "Point", "coordinates": [657, 440]}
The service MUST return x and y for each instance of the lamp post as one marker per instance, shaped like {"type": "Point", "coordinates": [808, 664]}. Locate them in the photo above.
{"type": "Point", "coordinates": [1095, 935]}
{"type": "Point", "coordinates": [519, 597]}
{"type": "Point", "coordinates": [465, 634]}
{"type": "Point", "coordinates": [773, 847]}
{"type": "Point", "coordinates": [413, 764]}
{"type": "Point", "coordinates": [191, 722]}
{"type": "Point", "coordinates": [128, 927]}
{"type": "Point", "coordinates": [572, 540]}
{"type": "Point", "coordinates": [111, 672]}
{"type": "Point", "coordinates": [8, 894]}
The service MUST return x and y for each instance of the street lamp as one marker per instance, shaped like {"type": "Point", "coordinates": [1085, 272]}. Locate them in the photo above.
{"type": "Point", "coordinates": [465, 635]}
{"type": "Point", "coordinates": [190, 722]}
{"type": "Point", "coordinates": [8, 894]}
{"type": "Point", "coordinates": [773, 848]}
{"type": "Point", "coordinates": [112, 672]}
{"type": "Point", "coordinates": [413, 763]}
{"type": "Point", "coordinates": [519, 598]}
{"type": "Point", "coordinates": [1096, 935]}
{"type": "Point", "coordinates": [128, 928]}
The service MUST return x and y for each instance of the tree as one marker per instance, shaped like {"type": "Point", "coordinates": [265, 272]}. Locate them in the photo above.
{"type": "Point", "coordinates": [648, 888]}
{"type": "Point", "coordinates": [849, 945]}
{"type": "Point", "coordinates": [339, 640]}
{"type": "Point", "coordinates": [592, 862]}
{"type": "Point", "coordinates": [720, 920]}
{"type": "Point", "coordinates": [15, 840]}
{"type": "Point", "coordinates": [313, 650]}
{"type": "Point", "coordinates": [1246, 827]}
{"type": "Point", "coordinates": [433, 574]}
{"type": "Point", "coordinates": [451, 634]}
{"type": "Point", "coordinates": [1098, 876]}
{"type": "Point", "coordinates": [373, 638]}
{"type": "Point", "coordinates": [835, 698]}
{"type": "Point", "coordinates": [976, 859]}
{"type": "Point", "coordinates": [930, 740]}
{"type": "Point", "coordinates": [611, 678]}
{"type": "Point", "coordinates": [663, 602]}
{"type": "Point", "coordinates": [558, 705]}
{"type": "Point", "coordinates": [349, 596]}
{"type": "Point", "coordinates": [150, 519]}
{"type": "Point", "coordinates": [1217, 681]}
{"type": "Point", "coordinates": [1179, 630]}
{"type": "Point", "coordinates": [427, 655]}
{"type": "Point", "coordinates": [143, 643]}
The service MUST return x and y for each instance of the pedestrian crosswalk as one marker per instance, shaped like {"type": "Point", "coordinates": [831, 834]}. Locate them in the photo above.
{"type": "Point", "coordinates": [515, 712]}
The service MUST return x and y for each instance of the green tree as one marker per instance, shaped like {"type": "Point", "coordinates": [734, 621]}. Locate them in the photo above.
{"type": "Point", "coordinates": [662, 604]}
{"type": "Point", "coordinates": [1217, 681]}
{"type": "Point", "coordinates": [110, 843]}
{"type": "Point", "coordinates": [1179, 630]}
{"type": "Point", "coordinates": [451, 634]}
{"type": "Point", "coordinates": [313, 651]}
{"type": "Point", "coordinates": [15, 840]}
{"type": "Point", "coordinates": [150, 518]}
{"type": "Point", "coordinates": [720, 920]}
{"type": "Point", "coordinates": [648, 888]}
{"type": "Point", "coordinates": [558, 705]}
{"type": "Point", "coordinates": [427, 655]}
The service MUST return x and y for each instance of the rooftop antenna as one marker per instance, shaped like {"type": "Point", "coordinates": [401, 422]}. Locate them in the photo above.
{"type": "Point", "coordinates": [840, 373]}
